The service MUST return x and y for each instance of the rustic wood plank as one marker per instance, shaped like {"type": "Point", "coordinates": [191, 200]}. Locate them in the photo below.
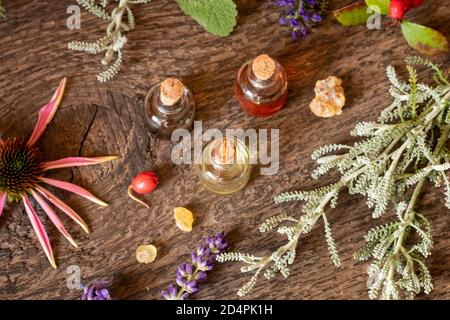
{"type": "Point", "coordinates": [98, 119]}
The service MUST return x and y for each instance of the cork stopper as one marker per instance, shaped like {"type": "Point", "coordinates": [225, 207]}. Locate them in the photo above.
{"type": "Point", "coordinates": [224, 151]}
{"type": "Point", "coordinates": [263, 67]}
{"type": "Point", "coordinates": [171, 91]}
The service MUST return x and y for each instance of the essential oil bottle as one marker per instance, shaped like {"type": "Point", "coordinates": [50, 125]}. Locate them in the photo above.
{"type": "Point", "coordinates": [169, 105]}
{"type": "Point", "coordinates": [261, 86]}
{"type": "Point", "coordinates": [225, 166]}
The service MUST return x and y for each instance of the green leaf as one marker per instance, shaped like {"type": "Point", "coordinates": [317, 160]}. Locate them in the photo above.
{"type": "Point", "coordinates": [380, 6]}
{"type": "Point", "coordinates": [352, 15]}
{"type": "Point", "coordinates": [2, 10]}
{"type": "Point", "coordinates": [216, 16]}
{"type": "Point", "coordinates": [423, 39]}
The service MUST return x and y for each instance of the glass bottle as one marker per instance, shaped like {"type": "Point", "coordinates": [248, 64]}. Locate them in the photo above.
{"type": "Point", "coordinates": [169, 105]}
{"type": "Point", "coordinates": [225, 166]}
{"type": "Point", "coordinates": [261, 86]}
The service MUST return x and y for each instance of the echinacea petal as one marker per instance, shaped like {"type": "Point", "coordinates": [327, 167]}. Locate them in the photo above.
{"type": "Point", "coordinates": [47, 112]}
{"type": "Point", "coordinates": [39, 230]}
{"type": "Point", "coordinates": [55, 219]}
{"type": "Point", "coordinates": [63, 207]}
{"type": "Point", "coordinates": [75, 162]}
{"type": "Point", "coordinates": [73, 188]}
{"type": "Point", "coordinates": [2, 202]}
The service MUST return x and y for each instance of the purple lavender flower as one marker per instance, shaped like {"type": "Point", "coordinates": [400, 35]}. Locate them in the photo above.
{"type": "Point", "coordinates": [202, 262]}
{"type": "Point", "coordinates": [189, 275]}
{"type": "Point", "coordinates": [200, 276]}
{"type": "Point", "coordinates": [185, 270]}
{"type": "Point", "coordinates": [96, 291]}
{"type": "Point", "coordinates": [172, 294]}
{"type": "Point", "coordinates": [300, 16]}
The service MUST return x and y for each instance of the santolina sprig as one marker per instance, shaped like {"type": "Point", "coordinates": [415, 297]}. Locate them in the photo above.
{"type": "Point", "coordinates": [190, 275]}
{"type": "Point", "coordinates": [388, 166]}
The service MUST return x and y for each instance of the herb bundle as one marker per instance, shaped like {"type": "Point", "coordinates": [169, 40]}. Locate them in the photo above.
{"type": "Point", "coordinates": [405, 148]}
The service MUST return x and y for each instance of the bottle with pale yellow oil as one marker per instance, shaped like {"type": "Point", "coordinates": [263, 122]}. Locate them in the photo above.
{"type": "Point", "coordinates": [225, 167]}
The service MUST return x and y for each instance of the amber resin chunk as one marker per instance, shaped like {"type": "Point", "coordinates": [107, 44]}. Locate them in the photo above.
{"type": "Point", "coordinates": [329, 98]}
{"type": "Point", "coordinates": [184, 219]}
{"type": "Point", "coordinates": [171, 91]}
{"type": "Point", "coordinates": [146, 253]}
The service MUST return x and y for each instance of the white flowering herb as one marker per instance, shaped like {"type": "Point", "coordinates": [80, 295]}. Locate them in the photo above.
{"type": "Point", "coordinates": [389, 166]}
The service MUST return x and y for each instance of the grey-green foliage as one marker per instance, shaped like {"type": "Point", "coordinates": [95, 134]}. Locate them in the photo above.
{"type": "Point", "coordinates": [114, 40]}
{"type": "Point", "coordinates": [388, 167]}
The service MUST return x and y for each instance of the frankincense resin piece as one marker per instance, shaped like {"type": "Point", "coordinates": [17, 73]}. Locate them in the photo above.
{"type": "Point", "coordinates": [261, 86]}
{"type": "Point", "coordinates": [329, 98]}
{"type": "Point", "coordinates": [184, 219]}
{"type": "Point", "coordinates": [169, 105]}
{"type": "Point", "coordinates": [146, 253]}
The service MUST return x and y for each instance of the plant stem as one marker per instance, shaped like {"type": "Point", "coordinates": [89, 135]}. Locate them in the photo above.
{"type": "Point", "coordinates": [410, 213]}
{"type": "Point", "coordinates": [182, 290]}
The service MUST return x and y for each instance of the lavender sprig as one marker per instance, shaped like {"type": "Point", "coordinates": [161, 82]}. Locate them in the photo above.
{"type": "Point", "coordinates": [190, 275]}
{"type": "Point", "coordinates": [300, 16]}
{"type": "Point", "coordinates": [96, 291]}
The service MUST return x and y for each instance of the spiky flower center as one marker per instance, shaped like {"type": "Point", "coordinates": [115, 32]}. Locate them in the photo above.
{"type": "Point", "coordinates": [20, 167]}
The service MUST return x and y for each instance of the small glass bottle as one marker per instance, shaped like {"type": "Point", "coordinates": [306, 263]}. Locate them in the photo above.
{"type": "Point", "coordinates": [169, 105]}
{"type": "Point", "coordinates": [225, 166]}
{"type": "Point", "coordinates": [261, 86]}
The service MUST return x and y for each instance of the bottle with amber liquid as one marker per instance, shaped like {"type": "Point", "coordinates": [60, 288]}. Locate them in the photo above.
{"type": "Point", "coordinates": [225, 166]}
{"type": "Point", "coordinates": [169, 105]}
{"type": "Point", "coordinates": [261, 86]}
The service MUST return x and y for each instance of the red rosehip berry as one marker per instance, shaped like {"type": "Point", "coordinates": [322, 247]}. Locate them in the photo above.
{"type": "Point", "coordinates": [396, 9]}
{"type": "Point", "coordinates": [408, 4]}
{"type": "Point", "coordinates": [416, 3]}
{"type": "Point", "coordinates": [143, 183]}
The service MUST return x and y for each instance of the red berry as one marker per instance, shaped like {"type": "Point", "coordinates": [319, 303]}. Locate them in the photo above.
{"type": "Point", "coordinates": [408, 4]}
{"type": "Point", "coordinates": [397, 9]}
{"type": "Point", "coordinates": [145, 182]}
{"type": "Point", "coordinates": [417, 3]}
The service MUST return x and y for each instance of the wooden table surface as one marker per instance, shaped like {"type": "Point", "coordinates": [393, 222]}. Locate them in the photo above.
{"type": "Point", "coordinates": [108, 119]}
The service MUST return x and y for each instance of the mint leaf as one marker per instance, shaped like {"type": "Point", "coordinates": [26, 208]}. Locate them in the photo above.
{"type": "Point", "coordinates": [380, 6]}
{"type": "Point", "coordinates": [352, 15]}
{"type": "Point", "coordinates": [423, 39]}
{"type": "Point", "coordinates": [216, 16]}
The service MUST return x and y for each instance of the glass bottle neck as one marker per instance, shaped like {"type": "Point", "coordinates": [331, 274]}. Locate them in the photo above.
{"type": "Point", "coordinates": [258, 83]}
{"type": "Point", "coordinates": [225, 154]}
{"type": "Point", "coordinates": [169, 109]}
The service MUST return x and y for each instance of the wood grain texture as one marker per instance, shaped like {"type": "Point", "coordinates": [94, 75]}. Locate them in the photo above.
{"type": "Point", "coordinates": [101, 119]}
